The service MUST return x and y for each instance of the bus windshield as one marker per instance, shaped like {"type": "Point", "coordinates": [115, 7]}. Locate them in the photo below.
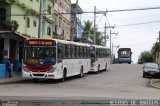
{"type": "Point", "coordinates": [40, 55]}
{"type": "Point", "coordinates": [124, 53]}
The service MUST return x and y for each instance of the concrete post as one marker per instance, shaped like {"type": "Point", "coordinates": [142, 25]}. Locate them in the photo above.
{"type": "Point", "coordinates": [6, 49]}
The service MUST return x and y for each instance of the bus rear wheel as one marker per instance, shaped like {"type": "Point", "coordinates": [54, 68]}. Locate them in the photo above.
{"type": "Point", "coordinates": [98, 69]}
{"type": "Point", "coordinates": [64, 75]}
{"type": "Point", "coordinates": [81, 73]}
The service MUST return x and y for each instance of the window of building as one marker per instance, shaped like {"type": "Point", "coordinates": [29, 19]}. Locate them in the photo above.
{"type": "Point", "coordinates": [28, 22]}
{"type": "Point", "coordinates": [34, 23]}
{"type": "Point", "coordinates": [49, 9]}
{"type": "Point", "coordinates": [43, 28]}
{"type": "Point", "coordinates": [60, 3]}
{"type": "Point", "coordinates": [55, 28]}
{"type": "Point", "coordinates": [60, 23]}
{"type": "Point", "coordinates": [2, 14]}
{"type": "Point", "coordinates": [49, 30]}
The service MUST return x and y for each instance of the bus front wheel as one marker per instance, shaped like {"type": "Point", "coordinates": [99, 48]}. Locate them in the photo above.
{"type": "Point", "coordinates": [98, 69]}
{"type": "Point", "coordinates": [105, 67]}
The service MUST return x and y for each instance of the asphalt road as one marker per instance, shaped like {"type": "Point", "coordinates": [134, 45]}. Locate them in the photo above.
{"type": "Point", "coordinates": [121, 81]}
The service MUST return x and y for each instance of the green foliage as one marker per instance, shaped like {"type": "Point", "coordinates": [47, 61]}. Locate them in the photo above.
{"type": "Point", "coordinates": [89, 32]}
{"type": "Point", "coordinates": [57, 37]}
{"type": "Point", "coordinates": [156, 48]}
{"type": "Point", "coordinates": [13, 24]}
{"type": "Point", "coordinates": [88, 29]}
{"type": "Point", "coordinates": [145, 56]}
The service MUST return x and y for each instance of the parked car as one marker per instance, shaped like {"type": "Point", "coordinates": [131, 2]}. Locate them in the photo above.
{"type": "Point", "coordinates": [151, 70]}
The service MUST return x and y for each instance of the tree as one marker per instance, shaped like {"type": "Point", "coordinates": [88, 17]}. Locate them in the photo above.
{"type": "Point", "coordinates": [87, 29]}
{"type": "Point", "coordinates": [145, 56]}
{"type": "Point", "coordinates": [89, 32]}
{"type": "Point", "coordinates": [155, 51]}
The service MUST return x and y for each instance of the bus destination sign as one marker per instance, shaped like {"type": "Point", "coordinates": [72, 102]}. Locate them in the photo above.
{"type": "Point", "coordinates": [41, 43]}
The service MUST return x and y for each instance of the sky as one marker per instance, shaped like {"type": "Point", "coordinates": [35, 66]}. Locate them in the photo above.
{"type": "Point", "coordinates": [137, 37]}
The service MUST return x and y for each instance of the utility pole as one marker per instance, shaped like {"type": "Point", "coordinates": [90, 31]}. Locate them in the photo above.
{"type": "Point", "coordinates": [75, 22]}
{"type": "Point", "coordinates": [95, 25]}
{"type": "Point", "coordinates": [111, 46]}
{"type": "Point", "coordinates": [109, 40]}
{"type": "Point", "coordinates": [40, 19]}
{"type": "Point", "coordinates": [159, 36]}
{"type": "Point", "coordinates": [105, 33]}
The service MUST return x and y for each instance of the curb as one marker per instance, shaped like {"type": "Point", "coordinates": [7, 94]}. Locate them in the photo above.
{"type": "Point", "coordinates": [155, 83]}
{"type": "Point", "coordinates": [10, 81]}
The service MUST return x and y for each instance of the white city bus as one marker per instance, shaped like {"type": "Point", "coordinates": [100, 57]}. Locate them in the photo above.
{"type": "Point", "coordinates": [55, 59]}
{"type": "Point", "coordinates": [100, 58]}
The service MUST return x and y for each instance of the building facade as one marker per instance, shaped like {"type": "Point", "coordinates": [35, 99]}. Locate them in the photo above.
{"type": "Point", "coordinates": [76, 25]}
{"type": "Point", "coordinates": [19, 19]}
{"type": "Point", "coordinates": [62, 19]}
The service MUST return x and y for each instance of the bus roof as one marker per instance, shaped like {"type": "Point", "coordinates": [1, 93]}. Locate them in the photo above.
{"type": "Point", "coordinates": [125, 49]}
{"type": "Point", "coordinates": [68, 42]}
{"type": "Point", "coordinates": [99, 46]}
{"type": "Point", "coordinates": [39, 39]}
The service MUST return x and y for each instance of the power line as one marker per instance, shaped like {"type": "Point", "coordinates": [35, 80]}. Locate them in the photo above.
{"type": "Point", "coordinates": [138, 23]}
{"type": "Point", "coordinates": [88, 16]}
{"type": "Point", "coordinates": [120, 10]}
{"type": "Point", "coordinates": [147, 16]}
{"type": "Point", "coordinates": [97, 12]}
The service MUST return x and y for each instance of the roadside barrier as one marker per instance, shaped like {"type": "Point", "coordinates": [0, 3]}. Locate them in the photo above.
{"type": "Point", "coordinates": [155, 83]}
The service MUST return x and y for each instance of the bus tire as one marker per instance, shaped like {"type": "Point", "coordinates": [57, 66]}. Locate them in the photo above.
{"type": "Point", "coordinates": [98, 69]}
{"type": "Point", "coordinates": [81, 72]}
{"type": "Point", "coordinates": [64, 75]}
{"type": "Point", "coordinates": [105, 67]}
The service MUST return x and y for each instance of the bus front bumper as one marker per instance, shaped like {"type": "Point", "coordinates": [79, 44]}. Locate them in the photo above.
{"type": "Point", "coordinates": [39, 75]}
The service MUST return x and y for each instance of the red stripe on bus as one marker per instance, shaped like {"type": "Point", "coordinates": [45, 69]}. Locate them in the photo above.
{"type": "Point", "coordinates": [39, 68]}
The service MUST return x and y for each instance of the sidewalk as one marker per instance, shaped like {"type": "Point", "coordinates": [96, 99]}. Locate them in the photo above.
{"type": "Point", "coordinates": [12, 80]}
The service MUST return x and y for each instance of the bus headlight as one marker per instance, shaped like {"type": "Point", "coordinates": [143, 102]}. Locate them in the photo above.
{"type": "Point", "coordinates": [52, 70]}
{"type": "Point", "coordinates": [26, 69]}
{"type": "Point", "coordinates": [92, 64]}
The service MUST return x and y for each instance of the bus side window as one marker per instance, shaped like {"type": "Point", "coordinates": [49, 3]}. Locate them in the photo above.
{"type": "Point", "coordinates": [69, 51]}
{"type": "Point", "coordinates": [73, 51]}
{"type": "Point", "coordinates": [66, 51]}
{"type": "Point", "coordinates": [97, 53]}
{"type": "Point", "coordinates": [88, 52]}
{"type": "Point", "coordinates": [81, 51]}
{"type": "Point", "coordinates": [75, 48]}
{"type": "Point", "coordinates": [84, 52]}
{"type": "Point", "coordinates": [60, 56]}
